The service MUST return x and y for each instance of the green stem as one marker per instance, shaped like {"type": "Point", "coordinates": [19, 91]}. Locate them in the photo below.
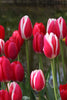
{"type": "Point", "coordinates": [40, 62]}
{"type": "Point", "coordinates": [18, 58]}
{"type": "Point", "coordinates": [61, 48]}
{"type": "Point", "coordinates": [6, 85]}
{"type": "Point", "coordinates": [28, 69]}
{"type": "Point", "coordinates": [58, 69]}
{"type": "Point", "coordinates": [40, 96]}
{"type": "Point", "coordinates": [55, 70]}
{"type": "Point", "coordinates": [54, 79]}
{"type": "Point", "coordinates": [27, 55]}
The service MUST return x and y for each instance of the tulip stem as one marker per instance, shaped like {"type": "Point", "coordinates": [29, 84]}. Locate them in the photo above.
{"type": "Point", "coordinates": [54, 78]}
{"type": "Point", "coordinates": [58, 70]}
{"type": "Point", "coordinates": [18, 58]}
{"type": "Point", "coordinates": [63, 60]}
{"type": "Point", "coordinates": [40, 62]}
{"type": "Point", "coordinates": [28, 69]}
{"type": "Point", "coordinates": [6, 85]}
{"type": "Point", "coordinates": [27, 55]}
{"type": "Point", "coordinates": [40, 96]}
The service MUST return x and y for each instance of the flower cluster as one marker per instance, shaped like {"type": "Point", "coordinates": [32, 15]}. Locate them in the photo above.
{"type": "Point", "coordinates": [44, 41]}
{"type": "Point", "coordinates": [13, 45]}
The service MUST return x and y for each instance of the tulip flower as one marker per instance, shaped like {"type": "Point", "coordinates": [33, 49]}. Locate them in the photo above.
{"type": "Point", "coordinates": [25, 27]}
{"type": "Point", "coordinates": [61, 32]}
{"type": "Point", "coordinates": [15, 91]}
{"type": "Point", "coordinates": [25, 31]}
{"type": "Point", "coordinates": [6, 73]}
{"type": "Point", "coordinates": [39, 27]}
{"type": "Point", "coordinates": [51, 45]}
{"type": "Point", "coordinates": [38, 43]}
{"type": "Point", "coordinates": [63, 91]}
{"type": "Point", "coordinates": [51, 25]}
{"type": "Point", "coordinates": [17, 39]}
{"type": "Point", "coordinates": [18, 71]}
{"type": "Point", "coordinates": [37, 80]}
{"type": "Point", "coordinates": [4, 95]}
{"type": "Point", "coordinates": [10, 49]}
{"type": "Point", "coordinates": [60, 28]}
{"type": "Point", "coordinates": [2, 43]}
{"type": "Point", "coordinates": [2, 32]}
{"type": "Point", "coordinates": [51, 50]}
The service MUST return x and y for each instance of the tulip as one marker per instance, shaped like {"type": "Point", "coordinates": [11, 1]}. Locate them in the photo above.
{"type": "Point", "coordinates": [4, 95]}
{"type": "Point", "coordinates": [17, 38]}
{"type": "Point", "coordinates": [25, 27]}
{"type": "Point", "coordinates": [39, 27]}
{"type": "Point", "coordinates": [6, 73]}
{"type": "Point", "coordinates": [51, 25]}
{"type": "Point", "coordinates": [25, 31]}
{"type": "Point", "coordinates": [15, 91]}
{"type": "Point", "coordinates": [51, 45]}
{"type": "Point", "coordinates": [51, 50]}
{"type": "Point", "coordinates": [2, 32]}
{"type": "Point", "coordinates": [2, 43]}
{"type": "Point", "coordinates": [37, 80]}
{"type": "Point", "coordinates": [38, 43]}
{"type": "Point", "coordinates": [18, 71]}
{"type": "Point", "coordinates": [63, 91]}
{"type": "Point", "coordinates": [10, 49]}
{"type": "Point", "coordinates": [60, 28]}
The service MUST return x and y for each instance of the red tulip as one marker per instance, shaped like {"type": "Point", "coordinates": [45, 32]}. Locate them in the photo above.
{"type": "Point", "coordinates": [2, 32]}
{"type": "Point", "coordinates": [38, 43]}
{"type": "Point", "coordinates": [51, 25]}
{"type": "Point", "coordinates": [4, 95]}
{"type": "Point", "coordinates": [15, 91]}
{"type": "Point", "coordinates": [39, 27]}
{"type": "Point", "coordinates": [37, 80]}
{"type": "Point", "coordinates": [17, 38]}
{"type": "Point", "coordinates": [2, 43]}
{"type": "Point", "coordinates": [10, 49]}
{"type": "Point", "coordinates": [63, 92]}
{"type": "Point", "coordinates": [25, 27]}
{"type": "Point", "coordinates": [51, 45]}
{"type": "Point", "coordinates": [60, 28]}
{"type": "Point", "coordinates": [18, 71]}
{"type": "Point", "coordinates": [6, 73]}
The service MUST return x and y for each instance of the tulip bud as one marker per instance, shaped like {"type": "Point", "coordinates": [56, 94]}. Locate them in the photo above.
{"type": "Point", "coordinates": [2, 32]}
{"type": "Point", "coordinates": [63, 91]}
{"type": "Point", "coordinates": [25, 27]}
{"type": "Point", "coordinates": [51, 45]}
{"type": "Point", "coordinates": [15, 91]}
{"type": "Point", "coordinates": [2, 43]}
{"type": "Point", "coordinates": [39, 27]}
{"type": "Point", "coordinates": [60, 28]}
{"type": "Point", "coordinates": [18, 71]}
{"type": "Point", "coordinates": [51, 25]}
{"type": "Point", "coordinates": [38, 43]}
{"type": "Point", "coordinates": [37, 80]}
{"type": "Point", "coordinates": [4, 95]}
{"type": "Point", "coordinates": [10, 49]}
